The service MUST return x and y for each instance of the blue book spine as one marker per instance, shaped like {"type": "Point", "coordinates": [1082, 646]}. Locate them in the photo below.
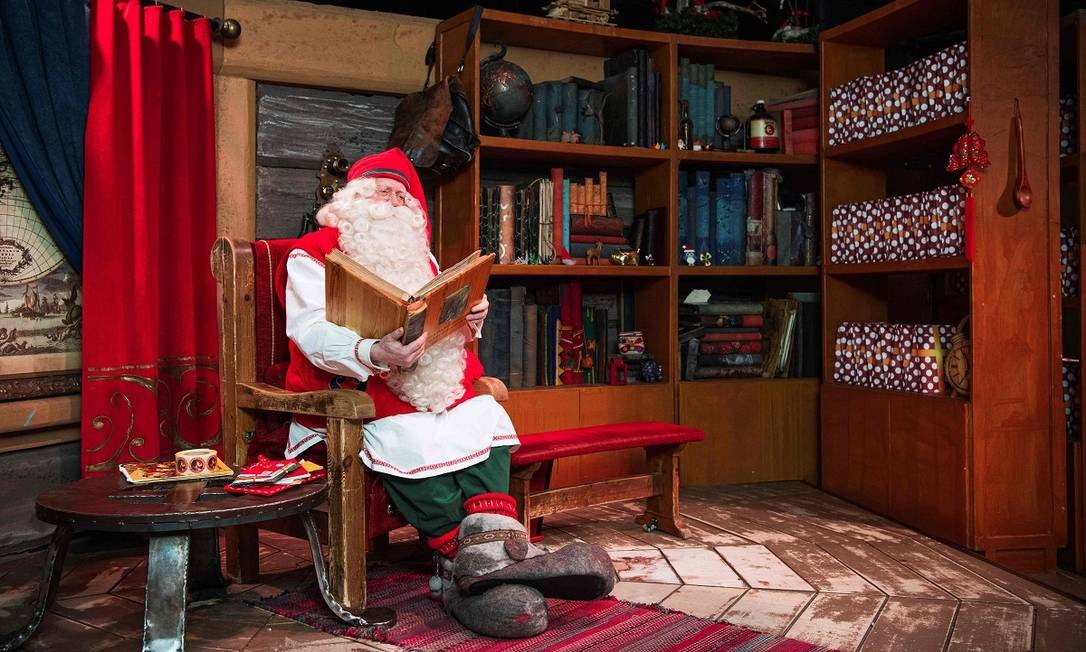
{"type": "Point", "coordinates": [701, 210]}
{"type": "Point", "coordinates": [565, 213]}
{"type": "Point", "coordinates": [709, 112]}
{"type": "Point", "coordinates": [585, 123]}
{"type": "Point", "coordinates": [714, 223]}
{"type": "Point", "coordinates": [632, 87]}
{"type": "Point", "coordinates": [684, 78]}
{"type": "Point", "coordinates": [554, 118]}
{"type": "Point", "coordinates": [569, 107]}
{"type": "Point", "coordinates": [718, 110]}
{"type": "Point", "coordinates": [539, 112]}
{"type": "Point", "coordinates": [499, 311]}
{"type": "Point", "coordinates": [684, 238]}
{"type": "Point", "coordinates": [733, 187]}
{"type": "Point", "coordinates": [691, 211]}
{"type": "Point", "coordinates": [695, 101]}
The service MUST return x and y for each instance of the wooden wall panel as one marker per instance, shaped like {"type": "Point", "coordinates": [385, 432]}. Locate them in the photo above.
{"type": "Point", "coordinates": [1019, 444]}
{"type": "Point", "coordinates": [755, 430]}
{"type": "Point", "coordinates": [235, 156]}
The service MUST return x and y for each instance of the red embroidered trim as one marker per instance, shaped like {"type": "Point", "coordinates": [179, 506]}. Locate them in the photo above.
{"type": "Point", "coordinates": [298, 253]}
{"type": "Point", "coordinates": [492, 503]}
{"type": "Point", "coordinates": [292, 449]}
{"type": "Point", "coordinates": [428, 467]}
{"type": "Point", "coordinates": [358, 357]}
{"type": "Point", "coordinates": [446, 544]}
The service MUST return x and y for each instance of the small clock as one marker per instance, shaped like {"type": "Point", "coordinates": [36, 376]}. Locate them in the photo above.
{"type": "Point", "coordinates": [958, 365]}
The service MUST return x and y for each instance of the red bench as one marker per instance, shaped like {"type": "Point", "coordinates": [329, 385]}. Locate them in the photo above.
{"type": "Point", "coordinates": [660, 484]}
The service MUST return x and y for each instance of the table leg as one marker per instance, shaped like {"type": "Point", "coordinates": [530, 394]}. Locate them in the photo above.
{"type": "Point", "coordinates": [205, 565]}
{"type": "Point", "coordinates": [47, 591]}
{"type": "Point", "coordinates": [167, 580]}
{"type": "Point", "coordinates": [373, 617]}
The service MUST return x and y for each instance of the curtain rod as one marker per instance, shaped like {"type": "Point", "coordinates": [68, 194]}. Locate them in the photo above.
{"type": "Point", "coordinates": [227, 28]}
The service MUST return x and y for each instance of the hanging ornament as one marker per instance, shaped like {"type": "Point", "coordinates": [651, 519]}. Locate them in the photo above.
{"type": "Point", "coordinates": [969, 155]}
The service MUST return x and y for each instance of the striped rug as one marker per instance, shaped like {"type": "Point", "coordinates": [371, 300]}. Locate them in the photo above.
{"type": "Point", "coordinates": [599, 626]}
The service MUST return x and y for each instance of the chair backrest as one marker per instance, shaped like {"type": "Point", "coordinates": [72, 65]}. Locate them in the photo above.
{"type": "Point", "coordinates": [253, 348]}
{"type": "Point", "coordinates": [253, 342]}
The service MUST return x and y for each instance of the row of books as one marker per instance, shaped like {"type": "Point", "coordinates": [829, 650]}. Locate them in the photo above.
{"type": "Point", "coordinates": [563, 108]}
{"type": "Point", "coordinates": [552, 335]}
{"type": "Point", "coordinates": [708, 99]}
{"type": "Point", "coordinates": [741, 218]}
{"type": "Point", "coordinates": [927, 89]}
{"type": "Point", "coordinates": [744, 338]}
{"type": "Point", "coordinates": [798, 121]}
{"type": "Point", "coordinates": [902, 357]}
{"type": "Point", "coordinates": [929, 224]}
{"type": "Point", "coordinates": [547, 219]}
{"type": "Point", "coordinates": [622, 109]}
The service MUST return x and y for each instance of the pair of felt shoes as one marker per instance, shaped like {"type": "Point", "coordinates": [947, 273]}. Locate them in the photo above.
{"type": "Point", "coordinates": [498, 582]}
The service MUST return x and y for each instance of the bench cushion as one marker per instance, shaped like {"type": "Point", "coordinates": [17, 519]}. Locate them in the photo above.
{"type": "Point", "coordinates": [542, 446]}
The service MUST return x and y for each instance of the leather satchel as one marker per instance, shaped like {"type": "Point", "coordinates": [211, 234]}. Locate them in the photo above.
{"type": "Point", "coordinates": [434, 127]}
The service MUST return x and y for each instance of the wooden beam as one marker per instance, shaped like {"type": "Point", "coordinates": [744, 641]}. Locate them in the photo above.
{"type": "Point", "coordinates": [554, 501]}
{"type": "Point", "coordinates": [20, 417]}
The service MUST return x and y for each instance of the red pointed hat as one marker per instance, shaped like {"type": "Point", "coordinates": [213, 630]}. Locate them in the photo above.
{"type": "Point", "coordinates": [392, 164]}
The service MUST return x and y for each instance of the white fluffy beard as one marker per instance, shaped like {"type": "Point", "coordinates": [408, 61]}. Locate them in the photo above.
{"type": "Point", "coordinates": [391, 242]}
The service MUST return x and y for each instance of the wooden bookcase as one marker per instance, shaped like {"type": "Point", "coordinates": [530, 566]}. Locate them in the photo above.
{"type": "Point", "coordinates": [1072, 206]}
{"type": "Point", "coordinates": [987, 472]}
{"type": "Point", "coordinates": [775, 436]}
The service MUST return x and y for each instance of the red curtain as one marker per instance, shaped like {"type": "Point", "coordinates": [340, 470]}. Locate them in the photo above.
{"type": "Point", "coordinates": [150, 341]}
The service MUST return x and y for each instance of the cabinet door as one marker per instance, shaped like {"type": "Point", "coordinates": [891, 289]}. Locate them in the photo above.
{"type": "Point", "coordinates": [929, 486]}
{"type": "Point", "coordinates": [856, 445]}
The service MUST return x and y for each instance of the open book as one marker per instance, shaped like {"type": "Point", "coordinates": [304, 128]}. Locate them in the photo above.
{"type": "Point", "coordinates": [358, 299]}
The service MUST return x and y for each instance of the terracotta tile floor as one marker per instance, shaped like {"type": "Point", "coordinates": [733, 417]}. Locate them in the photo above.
{"type": "Point", "coordinates": [777, 557]}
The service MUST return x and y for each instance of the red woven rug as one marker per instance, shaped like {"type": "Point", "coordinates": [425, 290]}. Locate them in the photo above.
{"type": "Point", "coordinates": [599, 626]}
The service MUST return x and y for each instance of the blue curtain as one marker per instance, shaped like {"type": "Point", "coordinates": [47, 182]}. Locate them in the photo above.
{"type": "Point", "coordinates": [44, 77]}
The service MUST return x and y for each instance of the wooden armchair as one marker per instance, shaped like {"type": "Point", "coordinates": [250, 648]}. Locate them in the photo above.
{"type": "Point", "coordinates": [255, 419]}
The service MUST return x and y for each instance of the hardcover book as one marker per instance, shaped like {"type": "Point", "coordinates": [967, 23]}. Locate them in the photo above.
{"type": "Point", "coordinates": [372, 307]}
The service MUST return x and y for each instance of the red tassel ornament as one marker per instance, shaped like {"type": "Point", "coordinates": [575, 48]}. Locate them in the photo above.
{"type": "Point", "coordinates": [970, 155]}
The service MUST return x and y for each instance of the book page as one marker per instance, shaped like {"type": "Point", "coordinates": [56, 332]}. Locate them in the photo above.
{"type": "Point", "coordinates": [446, 274]}
{"type": "Point", "coordinates": [356, 269]}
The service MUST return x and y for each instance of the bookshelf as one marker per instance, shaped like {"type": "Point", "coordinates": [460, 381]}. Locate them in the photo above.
{"type": "Point", "coordinates": [985, 472]}
{"type": "Point", "coordinates": [1072, 205]}
{"type": "Point", "coordinates": [777, 447]}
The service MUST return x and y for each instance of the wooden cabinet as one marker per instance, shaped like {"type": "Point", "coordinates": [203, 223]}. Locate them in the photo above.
{"type": "Point", "coordinates": [760, 448]}
{"type": "Point", "coordinates": [1072, 206]}
{"type": "Point", "coordinates": [985, 472]}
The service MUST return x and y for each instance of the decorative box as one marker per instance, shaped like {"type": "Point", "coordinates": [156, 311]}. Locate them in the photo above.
{"type": "Point", "coordinates": [1069, 261]}
{"type": "Point", "coordinates": [1072, 398]}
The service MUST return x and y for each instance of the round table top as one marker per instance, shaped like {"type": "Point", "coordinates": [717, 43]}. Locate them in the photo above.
{"type": "Point", "coordinates": [111, 504]}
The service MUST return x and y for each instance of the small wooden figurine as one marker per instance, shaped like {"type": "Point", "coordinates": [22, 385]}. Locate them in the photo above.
{"type": "Point", "coordinates": [592, 256]}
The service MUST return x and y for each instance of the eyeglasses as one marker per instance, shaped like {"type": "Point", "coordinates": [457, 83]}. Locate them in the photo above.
{"type": "Point", "coordinates": [388, 194]}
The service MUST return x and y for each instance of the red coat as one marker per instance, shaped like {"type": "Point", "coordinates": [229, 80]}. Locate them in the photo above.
{"type": "Point", "coordinates": [303, 376]}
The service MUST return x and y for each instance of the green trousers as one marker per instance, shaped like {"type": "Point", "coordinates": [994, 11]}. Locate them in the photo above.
{"type": "Point", "coordinates": [435, 505]}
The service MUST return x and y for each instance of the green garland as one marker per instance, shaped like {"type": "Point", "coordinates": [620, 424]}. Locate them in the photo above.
{"type": "Point", "coordinates": [724, 25]}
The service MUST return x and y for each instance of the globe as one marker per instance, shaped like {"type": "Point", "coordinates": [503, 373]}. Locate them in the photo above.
{"type": "Point", "coordinates": [505, 92]}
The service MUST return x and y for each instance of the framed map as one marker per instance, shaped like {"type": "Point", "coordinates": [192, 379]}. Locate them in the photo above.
{"type": "Point", "coordinates": [40, 302]}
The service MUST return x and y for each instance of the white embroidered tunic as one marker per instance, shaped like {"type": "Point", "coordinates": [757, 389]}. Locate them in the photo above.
{"type": "Point", "coordinates": [414, 445]}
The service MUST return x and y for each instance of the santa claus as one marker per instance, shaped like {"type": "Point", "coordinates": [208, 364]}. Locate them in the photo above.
{"type": "Point", "coordinates": [441, 450]}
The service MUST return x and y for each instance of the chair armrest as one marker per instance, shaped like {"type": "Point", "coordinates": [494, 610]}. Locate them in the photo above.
{"type": "Point", "coordinates": [335, 403]}
{"type": "Point", "coordinates": [492, 386]}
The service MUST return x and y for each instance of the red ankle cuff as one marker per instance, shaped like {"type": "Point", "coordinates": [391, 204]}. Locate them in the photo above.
{"type": "Point", "coordinates": [445, 544]}
{"type": "Point", "coordinates": [492, 503]}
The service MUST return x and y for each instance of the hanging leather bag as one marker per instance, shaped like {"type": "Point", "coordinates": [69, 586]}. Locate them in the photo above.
{"type": "Point", "coordinates": [434, 127]}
